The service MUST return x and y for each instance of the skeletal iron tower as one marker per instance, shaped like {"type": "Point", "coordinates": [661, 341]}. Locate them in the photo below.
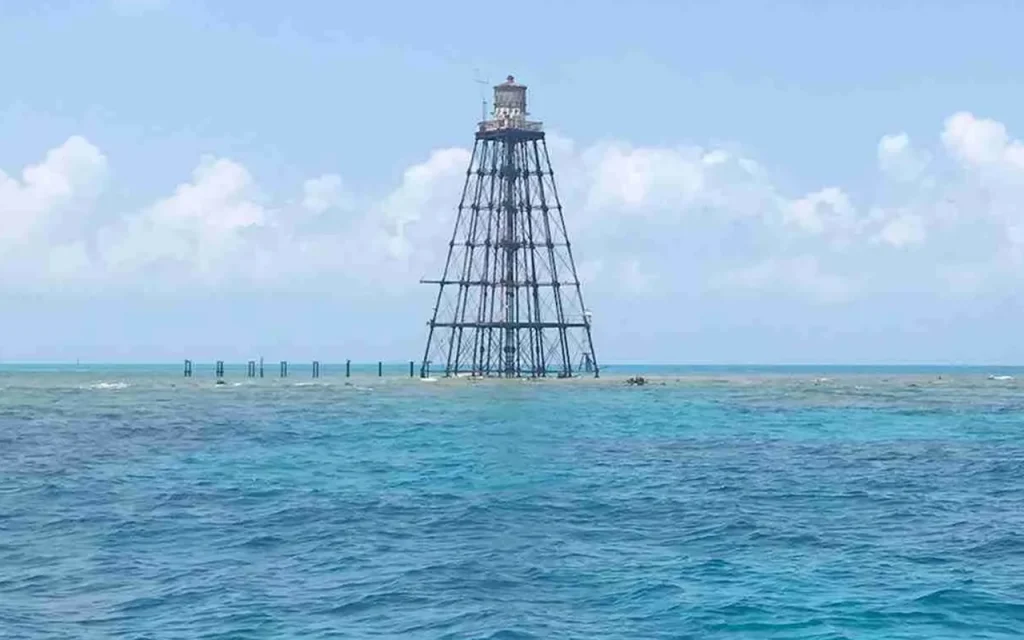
{"type": "Point", "coordinates": [509, 302]}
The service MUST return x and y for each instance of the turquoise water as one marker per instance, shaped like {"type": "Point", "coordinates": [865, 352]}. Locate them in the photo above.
{"type": "Point", "coordinates": [720, 502]}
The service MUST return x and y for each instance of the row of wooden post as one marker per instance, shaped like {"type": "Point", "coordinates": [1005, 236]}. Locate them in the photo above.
{"type": "Point", "coordinates": [252, 371]}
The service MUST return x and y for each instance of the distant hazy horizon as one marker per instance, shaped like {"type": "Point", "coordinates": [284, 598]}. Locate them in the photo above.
{"type": "Point", "coordinates": [334, 366]}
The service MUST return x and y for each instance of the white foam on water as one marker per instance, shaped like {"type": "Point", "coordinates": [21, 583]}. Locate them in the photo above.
{"type": "Point", "coordinates": [109, 385]}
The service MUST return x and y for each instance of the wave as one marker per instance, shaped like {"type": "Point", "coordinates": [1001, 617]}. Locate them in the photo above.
{"type": "Point", "coordinates": [108, 385]}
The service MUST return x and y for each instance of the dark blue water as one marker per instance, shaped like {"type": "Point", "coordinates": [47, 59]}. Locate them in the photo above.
{"type": "Point", "coordinates": [713, 503]}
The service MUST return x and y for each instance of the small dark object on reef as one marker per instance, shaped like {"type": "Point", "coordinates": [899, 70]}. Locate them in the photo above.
{"type": "Point", "coordinates": [637, 380]}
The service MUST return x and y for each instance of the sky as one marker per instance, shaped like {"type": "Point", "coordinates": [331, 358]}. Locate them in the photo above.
{"type": "Point", "coordinates": [810, 182]}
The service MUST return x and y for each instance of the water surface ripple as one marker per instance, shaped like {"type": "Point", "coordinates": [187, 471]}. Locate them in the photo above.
{"type": "Point", "coordinates": [134, 503]}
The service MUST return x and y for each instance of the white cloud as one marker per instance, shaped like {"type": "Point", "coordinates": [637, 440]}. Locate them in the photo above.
{"type": "Point", "coordinates": [644, 221]}
{"type": "Point", "coordinates": [826, 210]}
{"type": "Point", "coordinates": [323, 193]}
{"type": "Point", "coordinates": [629, 177]}
{"type": "Point", "coordinates": [975, 141]}
{"type": "Point", "coordinates": [663, 185]}
{"type": "Point", "coordinates": [429, 191]}
{"type": "Point", "coordinates": [903, 230]}
{"type": "Point", "coordinates": [67, 178]}
{"type": "Point", "coordinates": [47, 213]}
{"type": "Point", "coordinates": [209, 223]}
{"type": "Point", "coordinates": [898, 160]}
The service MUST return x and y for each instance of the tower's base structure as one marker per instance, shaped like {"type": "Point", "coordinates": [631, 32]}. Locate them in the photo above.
{"type": "Point", "coordinates": [509, 302]}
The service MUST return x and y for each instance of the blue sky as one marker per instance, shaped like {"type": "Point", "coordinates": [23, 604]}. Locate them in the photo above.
{"type": "Point", "coordinates": [806, 182]}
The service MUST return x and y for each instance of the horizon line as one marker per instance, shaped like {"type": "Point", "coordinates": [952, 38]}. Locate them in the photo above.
{"type": "Point", "coordinates": [164, 363]}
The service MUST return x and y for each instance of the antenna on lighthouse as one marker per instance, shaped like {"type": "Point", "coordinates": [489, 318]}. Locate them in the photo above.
{"type": "Point", "coordinates": [483, 96]}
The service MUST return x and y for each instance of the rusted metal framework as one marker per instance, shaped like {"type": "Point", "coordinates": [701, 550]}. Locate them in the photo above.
{"type": "Point", "coordinates": [509, 302]}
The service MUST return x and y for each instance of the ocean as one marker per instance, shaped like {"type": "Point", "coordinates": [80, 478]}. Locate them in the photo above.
{"type": "Point", "coordinates": [712, 502]}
